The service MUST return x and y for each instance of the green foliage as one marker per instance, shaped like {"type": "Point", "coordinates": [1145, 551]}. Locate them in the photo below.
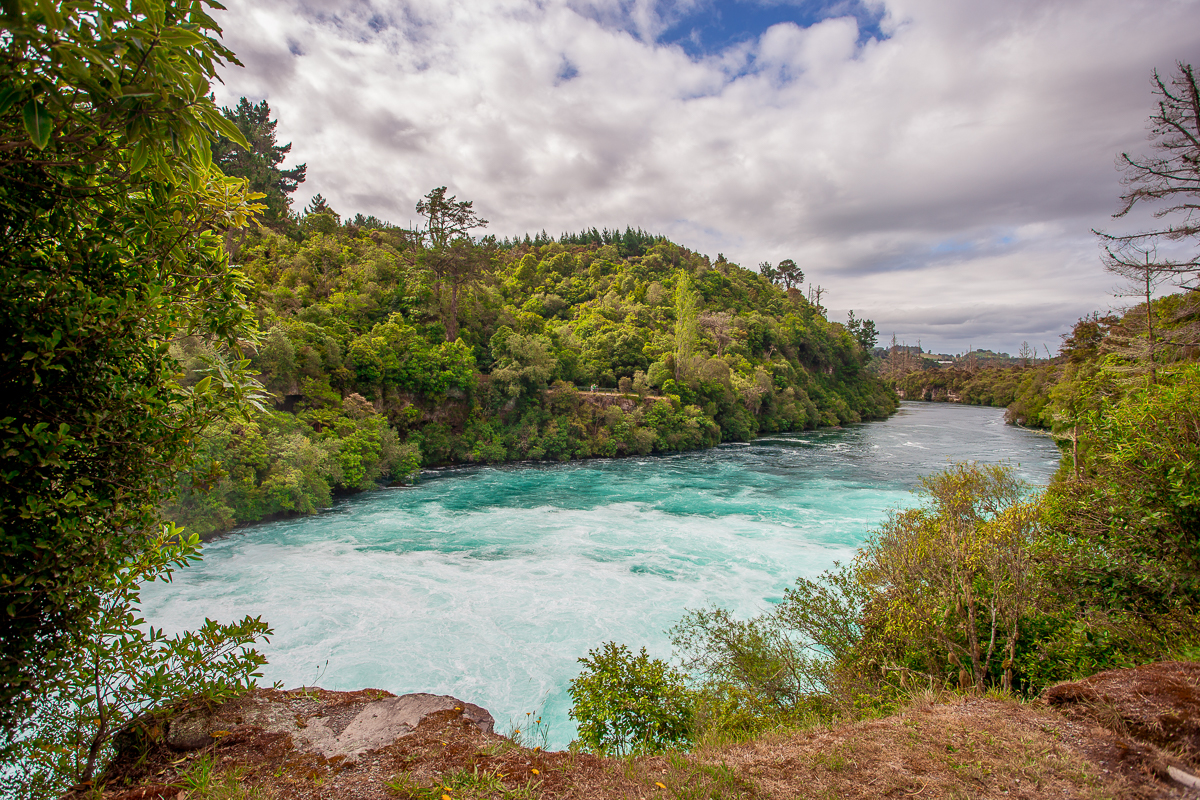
{"type": "Point", "coordinates": [118, 669]}
{"type": "Point", "coordinates": [465, 783]}
{"type": "Point", "coordinates": [685, 326]}
{"type": "Point", "coordinates": [984, 585]}
{"type": "Point", "coordinates": [1102, 357]}
{"type": "Point", "coordinates": [259, 162]}
{"type": "Point", "coordinates": [472, 352]}
{"type": "Point", "coordinates": [524, 364]}
{"type": "Point", "coordinates": [279, 464]}
{"type": "Point", "coordinates": [763, 672]}
{"type": "Point", "coordinates": [1137, 504]}
{"type": "Point", "coordinates": [863, 331]}
{"type": "Point", "coordinates": [629, 704]}
{"type": "Point", "coordinates": [111, 215]}
{"type": "Point", "coordinates": [950, 582]}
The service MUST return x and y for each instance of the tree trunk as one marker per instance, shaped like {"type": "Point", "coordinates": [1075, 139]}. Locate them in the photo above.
{"type": "Point", "coordinates": [101, 734]}
{"type": "Point", "coordinates": [1150, 323]}
{"type": "Point", "coordinates": [1075, 449]}
{"type": "Point", "coordinates": [1006, 683]}
{"type": "Point", "coordinates": [973, 641]}
{"type": "Point", "coordinates": [452, 317]}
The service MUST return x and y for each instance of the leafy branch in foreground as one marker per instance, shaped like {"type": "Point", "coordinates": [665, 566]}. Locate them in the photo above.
{"type": "Point", "coordinates": [120, 668]}
{"type": "Point", "coordinates": [111, 215]}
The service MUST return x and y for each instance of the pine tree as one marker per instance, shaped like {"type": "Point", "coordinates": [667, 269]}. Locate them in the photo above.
{"type": "Point", "coordinates": [259, 163]}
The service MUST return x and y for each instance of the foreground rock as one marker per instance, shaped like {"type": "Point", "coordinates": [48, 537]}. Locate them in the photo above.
{"type": "Point", "coordinates": [312, 743]}
{"type": "Point", "coordinates": [332, 724]}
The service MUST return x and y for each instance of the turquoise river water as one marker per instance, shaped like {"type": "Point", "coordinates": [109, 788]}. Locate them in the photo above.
{"type": "Point", "coordinates": [488, 583]}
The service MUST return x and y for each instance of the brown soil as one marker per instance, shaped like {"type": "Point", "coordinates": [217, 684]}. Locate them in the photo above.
{"type": "Point", "coordinates": [1143, 720]}
{"type": "Point", "coordinates": [950, 747]}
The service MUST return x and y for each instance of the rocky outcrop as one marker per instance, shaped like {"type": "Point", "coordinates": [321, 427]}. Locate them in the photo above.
{"type": "Point", "coordinates": [626, 402]}
{"type": "Point", "coordinates": [330, 724]}
{"type": "Point", "coordinates": [1130, 734]}
{"type": "Point", "coordinates": [1151, 714]}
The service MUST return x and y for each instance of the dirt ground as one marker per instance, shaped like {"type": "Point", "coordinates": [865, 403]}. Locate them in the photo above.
{"type": "Point", "coordinates": [1114, 735]}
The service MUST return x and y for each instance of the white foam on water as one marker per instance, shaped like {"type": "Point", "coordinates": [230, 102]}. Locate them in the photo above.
{"type": "Point", "coordinates": [489, 584]}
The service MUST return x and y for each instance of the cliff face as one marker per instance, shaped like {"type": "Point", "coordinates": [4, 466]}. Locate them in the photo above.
{"type": "Point", "coordinates": [1131, 733]}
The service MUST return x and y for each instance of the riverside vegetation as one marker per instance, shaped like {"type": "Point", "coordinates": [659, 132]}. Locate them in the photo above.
{"type": "Point", "coordinates": [988, 584]}
{"type": "Point", "coordinates": [387, 350]}
{"type": "Point", "coordinates": [164, 355]}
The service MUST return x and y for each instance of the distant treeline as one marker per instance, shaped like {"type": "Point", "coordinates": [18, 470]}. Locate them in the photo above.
{"type": "Point", "coordinates": [385, 349]}
{"type": "Point", "coordinates": [1046, 393]}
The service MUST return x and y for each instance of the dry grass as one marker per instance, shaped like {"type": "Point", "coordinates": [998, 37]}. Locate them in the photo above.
{"type": "Point", "coordinates": [974, 748]}
{"type": "Point", "coordinates": [968, 748]}
{"type": "Point", "coordinates": [938, 748]}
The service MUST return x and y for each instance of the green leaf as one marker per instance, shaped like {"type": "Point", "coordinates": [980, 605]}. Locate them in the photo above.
{"type": "Point", "coordinates": [179, 37]}
{"type": "Point", "coordinates": [51, 14]}
{"type": "Point", "coordinates": [157, 12]}
{"type": "Point", "coordinates": [141, 155]}
{"type": "Point", "coordinates": [202, 150]}
{"type": "Point", "coordinates": [8, 96]}
{"type": "Point", "coordinates": [38, 124]}
{"type": "Point", "coordinates": [216, 122]}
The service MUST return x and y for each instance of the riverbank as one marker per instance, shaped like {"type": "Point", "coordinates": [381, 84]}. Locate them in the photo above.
{"type": "Point", "coordinates": [617, 425]}
{"type": "Point", "coordinates": [487, 582]}
{"type": "Point", "coordinates": [1122, 734]}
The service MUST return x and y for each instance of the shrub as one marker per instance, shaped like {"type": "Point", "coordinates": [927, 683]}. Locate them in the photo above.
{"type": "Point", "coordinates": [630, 704]}
{"type": "Point", "coordinates": [119, 669]}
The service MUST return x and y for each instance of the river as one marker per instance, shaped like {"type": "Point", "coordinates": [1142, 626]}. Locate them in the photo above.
{"type": "Point", "coordinates": [488, 583]}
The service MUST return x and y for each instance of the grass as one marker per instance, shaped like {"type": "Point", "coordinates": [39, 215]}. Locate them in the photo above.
{"type": "Point", "coordinates": [201, 781]}
{"type": "Point", "coordinates": [690, 779]}
{"type": "Point", "coordinates": [965, 748]}
{"type": "Point", "coordinates": [530, 732]}
{"type": "Point", "coordinates": [463, 784]}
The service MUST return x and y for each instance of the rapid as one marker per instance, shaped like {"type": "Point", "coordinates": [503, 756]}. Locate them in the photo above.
{"type": "Point", "coordinates": [487, 583]}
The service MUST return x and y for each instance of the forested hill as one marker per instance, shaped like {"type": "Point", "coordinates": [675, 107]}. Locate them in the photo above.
{"type": "Point", "coordinates": [385, 350]}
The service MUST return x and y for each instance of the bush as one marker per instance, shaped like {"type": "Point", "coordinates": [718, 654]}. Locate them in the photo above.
{"type": "Point", "coordinates": [119, 669]}
{"type": "Point", "coordinates": [943, 593]}
{"type": "Point", "coordinates": [630, 704]}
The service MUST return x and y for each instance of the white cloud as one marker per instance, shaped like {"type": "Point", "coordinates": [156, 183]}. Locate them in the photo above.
{"type": "Point", "coordinates": [992, 125]}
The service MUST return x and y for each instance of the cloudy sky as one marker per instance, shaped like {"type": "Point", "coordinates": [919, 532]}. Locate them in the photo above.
{"type": "Point", "coordinates": [936, 165]}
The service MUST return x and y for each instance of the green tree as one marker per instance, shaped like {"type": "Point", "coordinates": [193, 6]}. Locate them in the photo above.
{"type": "Point", "coordinates": [767, 270]}
{"type": "Point", "coordinates": [863, 331]}
{"type": "Point", "coordinates": [119, 669]}
{"type": "Point", "coordinates": [952, 579]}
{"type": "Point", "coordinates": [524, 364]}
{"type": "Point", "coordinates": [452, 257]}
{"type": "Point", "coordinates": [1130, 523]}
{"type": "Point", "coordinates": [686, 314]}
{"type": "Point", "coordinates": [111, 214]}
{"type": "Point", "coordinates": [790, 273]}
{"type": "Point", "coordinates": [259, 161]}
{"type": "Point", "coordinates": [629, 704]}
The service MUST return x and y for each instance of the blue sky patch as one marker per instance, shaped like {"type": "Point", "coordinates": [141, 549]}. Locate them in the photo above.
{"type": "Point", "coordinates": [952, 246]}
{"type": "Point", "coordinates": [566, 71]}
{"type": "Point", "coordinates": [715, 25]}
